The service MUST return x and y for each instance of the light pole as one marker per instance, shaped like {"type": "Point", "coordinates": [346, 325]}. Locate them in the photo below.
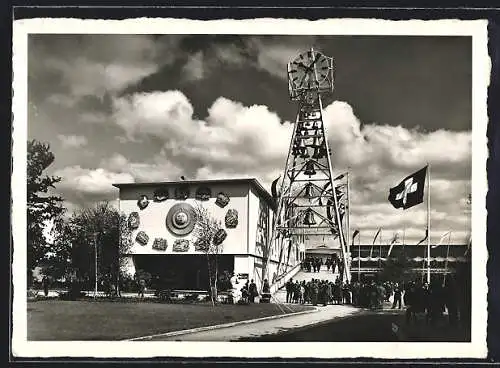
{"type": "Point", "coordinates": [95, 258]}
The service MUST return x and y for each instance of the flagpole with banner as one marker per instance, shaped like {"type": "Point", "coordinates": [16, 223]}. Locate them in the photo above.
{"type": "Point", "coordinates": [348, 220]}
{"type": "Point", "coordinates": [359, 258]}
{"type": "Point", "coordinates": [410, 192]}
{"type": "Point", "coordinates": [446, 260]}
{"type": "Point", "coordinates": [380, 251]}
{"type": "Point", "coordinates": [429, 223]}
{"type": "Point", "coordinates": [374, 241]}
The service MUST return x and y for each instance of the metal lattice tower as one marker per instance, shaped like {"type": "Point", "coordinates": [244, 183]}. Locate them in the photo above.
{"type": "Point", "coordinates": [307, 211]}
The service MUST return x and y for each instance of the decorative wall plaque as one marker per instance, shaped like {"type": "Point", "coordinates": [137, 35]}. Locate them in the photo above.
{"type": "Point", "coordinates": [203, 193]}
{"type": "Point", "coordinates": [160, 194]}
{"type": "Point", "coordinates": [222, 200]}
{"type": "Point", "coordinates": [182, 192]}
{"type": "Point", "coordinates": [200, 245]}
{"type": "Point", "coordinates": [142, 202]}
{"type": "Point", "coordinates": [181, 245]}
{"type": "Point", "coordinates": [220, 236]}
{"type": "Point", "coordinates": [142, 238]}
{"type": "Point", "coordinates": [180, 219]}
{"type": "Point", "coordinates": [133, 220]}
{"type": "Point", "coordinates": [160, 244]}
{"type": "Point", "coordinates": [231, 219]}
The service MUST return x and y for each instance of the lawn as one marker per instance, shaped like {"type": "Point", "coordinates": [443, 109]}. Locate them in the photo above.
{"type": "Point", "coordinates": [57, 320]}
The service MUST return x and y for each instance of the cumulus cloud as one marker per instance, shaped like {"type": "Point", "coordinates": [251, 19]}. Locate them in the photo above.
{"type": "Point", "coordinates": [235, 140]}
{"type": "Point", "coordinates": [232, 138]}
{"type": "Point", "coordinates": [159, 169]}
{"type": "Point", "coordinates": [72, 141]}
{"type": "Point", "coordinates": [82, 185]}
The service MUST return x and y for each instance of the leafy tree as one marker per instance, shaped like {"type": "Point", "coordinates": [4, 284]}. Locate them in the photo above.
{"type": "Point", "coordinates": [396, 268]}
{"type": "Point", "coordinates": [42, 207]}
{"type": "Point", "coordinates": [205, 229]}
{"type": "Point", "coordinates": [100, 228]}
{"type": "Point", "coordinates": [59, 256]}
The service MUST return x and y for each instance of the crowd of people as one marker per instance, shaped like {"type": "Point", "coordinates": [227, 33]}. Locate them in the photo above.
{"type": "Point", "coordinates": [417, 298]}
{"type": "Point", "coordinates": [317, 291]}
{"type": "Point", "coordinates": [248, 293]}
{"type": "Point", "coordinates": [313, 264]}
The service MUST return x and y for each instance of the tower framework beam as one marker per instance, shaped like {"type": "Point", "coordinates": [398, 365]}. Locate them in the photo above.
{"type": "Point", "coordinates": [310, 196]}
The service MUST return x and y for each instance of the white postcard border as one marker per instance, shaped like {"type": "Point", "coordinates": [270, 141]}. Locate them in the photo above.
{"type": "Point", "coordinates": [481, 74]}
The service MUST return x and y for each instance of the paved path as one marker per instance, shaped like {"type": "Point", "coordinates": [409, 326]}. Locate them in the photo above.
{"type": "Point", "coordinates": [266, 327]}
{"type": "Point", "coordinates": [374, 326]}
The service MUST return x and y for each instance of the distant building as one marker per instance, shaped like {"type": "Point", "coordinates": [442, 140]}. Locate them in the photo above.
{"type": "Point", "coordinates": [367, 260]}
{"type": "Point", "coordinates": [164, 243]}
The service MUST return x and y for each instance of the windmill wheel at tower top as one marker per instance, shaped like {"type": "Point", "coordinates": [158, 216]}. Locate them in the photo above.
{"type": "Point", "coordinates": [307, 209]}
{"type": "Point", "coordinates": [309, 74]}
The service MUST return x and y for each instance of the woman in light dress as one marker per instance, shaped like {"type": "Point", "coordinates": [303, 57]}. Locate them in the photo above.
{"type": "Point", "coordinates": [235, 289]}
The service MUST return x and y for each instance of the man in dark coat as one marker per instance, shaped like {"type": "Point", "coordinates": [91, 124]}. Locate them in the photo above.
{"type": "Point", "coordinates": [397, 296]}
{"type": "Point", "coordinates": [252, 291]}
{"type": "Point", "coordinates": [315, 291]}
{"type": "Point", "coordinates": [328, 293]}
{"type": "Point", "coordinates": [45, 283]}
{"type": "Point", "coordinates": [410, 300]}
{"type": "Point", "coordinates": [289, 290]}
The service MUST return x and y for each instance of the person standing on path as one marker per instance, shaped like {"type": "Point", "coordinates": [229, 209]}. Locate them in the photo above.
{"type": "Point", "coordinates": [289, 290]}
{"type": "Point", "coordinates": [235, 290]}
{"type": "Point", "coordinates": [315, 291]}
{"type": "Point", "coordinates": [45, 283]}
{"type": "Point", "coordinates": [142, 288]}
{"type": "Point", "coordinates": [397, 296]}
{"type": "Point", "coordinates": [252, 290]}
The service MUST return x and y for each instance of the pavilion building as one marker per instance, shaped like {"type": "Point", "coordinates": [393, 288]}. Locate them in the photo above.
{"type": "Point", "coordinates": [162, 230]}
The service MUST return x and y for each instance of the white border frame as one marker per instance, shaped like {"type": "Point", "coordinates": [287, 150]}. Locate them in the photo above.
{"type": "Point", "coordinates": [481, 72]}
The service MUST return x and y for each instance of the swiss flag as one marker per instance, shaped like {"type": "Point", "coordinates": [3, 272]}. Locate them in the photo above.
{"type": "Point", "coordinates": [410, 191]}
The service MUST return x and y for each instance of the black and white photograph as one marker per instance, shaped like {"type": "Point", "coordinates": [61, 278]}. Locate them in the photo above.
{"type": "Point", "coordinates": [203, 188]}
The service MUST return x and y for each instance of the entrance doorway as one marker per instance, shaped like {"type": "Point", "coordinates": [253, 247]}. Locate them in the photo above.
{"type": "Point", "coordinates": [181, 271]}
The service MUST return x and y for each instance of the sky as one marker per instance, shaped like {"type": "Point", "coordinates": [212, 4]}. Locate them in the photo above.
{"type": "Point", "coordinates": [145, 108]}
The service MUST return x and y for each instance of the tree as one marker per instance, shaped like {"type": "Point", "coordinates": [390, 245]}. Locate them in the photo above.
{"type": "Point", "coordinates": [100, 228]}
{"type": "Point", "coordinates": [396, 268]}
{"type": "Point", "coordinates": [59, 256]}
{"type": "Point", "coordinates": [42, 207]}
{"type": "Point", "coordinates": [208, 232]}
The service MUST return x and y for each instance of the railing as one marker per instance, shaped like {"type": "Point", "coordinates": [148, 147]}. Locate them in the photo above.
{"type": "Point", "coordinates": [282, 281]}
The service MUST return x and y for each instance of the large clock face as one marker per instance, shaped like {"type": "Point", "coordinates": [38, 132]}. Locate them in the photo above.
{"type": "Point", "coordinates": [309, 70]}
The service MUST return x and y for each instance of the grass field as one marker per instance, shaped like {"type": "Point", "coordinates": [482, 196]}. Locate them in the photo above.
{"type": "Point", "coordinates": [57, 320]}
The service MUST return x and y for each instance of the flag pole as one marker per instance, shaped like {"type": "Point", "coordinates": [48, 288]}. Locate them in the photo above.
{"type": "Point", "coordinates": [380, 250]}
{"type": "Point", "coordinates": [429, 223]}
{"type": "Point", "coordinates": [348, 220]}
{"type": "Point", "coordinates": [359, 257]}
{"type": "Point", "coordinates": [446, 261]}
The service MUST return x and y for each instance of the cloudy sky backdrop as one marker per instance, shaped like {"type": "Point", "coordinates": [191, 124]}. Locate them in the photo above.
{"type": "Point", "coordinates": [125, 108]}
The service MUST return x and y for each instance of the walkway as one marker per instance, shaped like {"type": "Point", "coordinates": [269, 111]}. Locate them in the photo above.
{"type": "Point", "coordinates": [261, 328]}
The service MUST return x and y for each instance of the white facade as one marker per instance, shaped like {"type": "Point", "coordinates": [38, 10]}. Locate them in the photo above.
{"type": "Point", "coordinates": [247, 242]}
